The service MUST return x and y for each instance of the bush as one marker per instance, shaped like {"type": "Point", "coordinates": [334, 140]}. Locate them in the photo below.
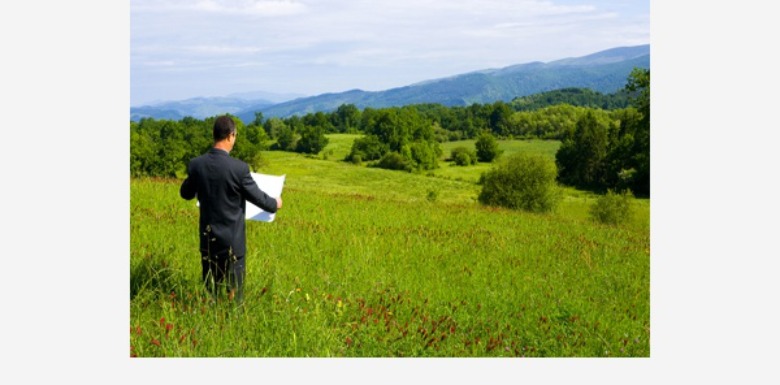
{"type": "Point", "coordinates": [487, 147]}
{"type": "Point", "coordinates": [369, 148]}
{"type": "Point", "coordinates": [287, 139]}
{"type": "Point", "coordinates": [356, 158]}
{"type": "Point", "coordinates": [312, 140]}
{"type": "Point", "coordinates": [524, 182]}
{"type": "Point", "coordinates": [424, 155]}
{"type": "Point", "coordinates": [394, 161]}
{"type": "Point", "coordinates": [462, 156]}
{"type": "Point", "coordinates": [613, 208]}
{"type": "Point", "coordinates": [258, 162]}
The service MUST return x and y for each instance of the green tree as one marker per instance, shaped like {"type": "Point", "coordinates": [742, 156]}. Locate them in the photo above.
{"type": "Point", "coordinates": [346, 118]}
{"type": "Point", "coordinates": [487, 147]}
{"type": "Point", "coordinates": [394, 161]}
{"type": "Point", "coordinates": [522, 181]}
{"type": "Point", "coordinates": [273, 126]}
{"type": "Point", "coordinates": [318, 119]}
{"type": "Point", "coordinates": [424, 154]}
{"type": "Point", "coordinates": [258, 119]}
{"type": "Point", "coordinates": [499, 120]}
{"type": "Point", "coordinates": [142, 152]}
{"type": "Point", "coordinates": [463, 156]}
{"type": "Point", "coordinates": [368, 147]}
{"type": "Point", "coordinates": [581, 159]}
{"type": "Point", "coordinates": [620, 162]}
{"type": "Point", "coordinates": [287, 139]}
{"type": "Point", "coordinates": [312, 140]}
{"type": "Point", "coordinates": [639, 87]}
{"type": "Point", "coordinates": [249, 143]}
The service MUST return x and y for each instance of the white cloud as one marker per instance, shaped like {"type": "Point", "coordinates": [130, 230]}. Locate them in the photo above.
{"type": "Point", "coordinates": [369, 44]}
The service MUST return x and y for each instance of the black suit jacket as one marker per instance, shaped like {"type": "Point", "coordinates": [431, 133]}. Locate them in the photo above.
{"type": "Point", "coordinates": [222, 185]}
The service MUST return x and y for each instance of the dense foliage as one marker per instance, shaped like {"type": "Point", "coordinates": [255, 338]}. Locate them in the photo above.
{"type": "Point", "coordinates": [611, 152]}
{"type": "Point", "coordinates": [487, 147]}
{"type": "Point", "coordinates": [463, 156]}
{"type": "Point", "coordinates": [603, 146]}
{"type": "Point", "coordinates": [524, 182]}
{"type": "Point", "coordinates": [581, 97]}
{"type": "Point", "coordinates": [402, 132]}
{"type": "Point", "coordinates": [164, 147]}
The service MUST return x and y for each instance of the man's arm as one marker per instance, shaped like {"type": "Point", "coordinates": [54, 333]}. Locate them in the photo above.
{"type": "Point", "coordinates": [188, 188]}
{"type": "Point", "coordinates": [256, 196]}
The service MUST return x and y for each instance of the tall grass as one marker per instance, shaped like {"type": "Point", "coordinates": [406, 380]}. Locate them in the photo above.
{"type": "Point", "coordinates": [359, 263]}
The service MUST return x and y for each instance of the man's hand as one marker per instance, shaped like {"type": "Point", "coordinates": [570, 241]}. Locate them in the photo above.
{"type": "Point", "coordinates": [278, 202]}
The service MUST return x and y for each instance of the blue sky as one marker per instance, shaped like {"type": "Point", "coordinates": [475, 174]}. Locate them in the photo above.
{"type": "Point", "coordinates": [182, 49]}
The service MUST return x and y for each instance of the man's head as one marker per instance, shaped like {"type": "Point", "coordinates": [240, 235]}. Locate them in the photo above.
{"type": "Point", "coordinates": [224, 132]}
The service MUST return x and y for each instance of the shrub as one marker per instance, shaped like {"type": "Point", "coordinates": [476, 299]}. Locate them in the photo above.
{"type": "Point", "coordinates": [258, 162]}
{"type": "Point", "coordinates": [356, 158]}
{"type": "Point", "coordinates": [462, 156]}
{"type": "Point", "coordinates": [312, 140]}
{"type": "Point", "coordinates": [487, 147]}
{"type": "Point", "coordinates": [524, 182]}
{"type": "Point", "coordinates": [424, 155]}
{"type": "Point", "coordinates": [613, 208]}
{"type": "Point", "coordinates": [369, 148]}
{"type": "Point", "coordinates": [394, 161]}
{"type": "Point", "coordinates": [287, 139]}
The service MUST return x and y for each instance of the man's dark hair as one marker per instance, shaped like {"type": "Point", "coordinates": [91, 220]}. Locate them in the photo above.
{"type": "Point", "coordinates": [223, 127]}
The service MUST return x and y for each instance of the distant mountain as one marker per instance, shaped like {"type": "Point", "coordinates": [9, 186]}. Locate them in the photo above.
{"type": "Point", "coordinates": [202, 107]}
{"type": "Point", "coordinates": [199, 108]}
{"type": "Point", "coordinates": [269, 96]}
{"type": "Point", "coordinates": [606, 72]}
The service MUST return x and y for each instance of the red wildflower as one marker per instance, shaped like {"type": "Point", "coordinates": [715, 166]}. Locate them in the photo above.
{"type": "Point", "coordinates": [155, 342]}
{"type": "Point", "coordinates": [162, 321]}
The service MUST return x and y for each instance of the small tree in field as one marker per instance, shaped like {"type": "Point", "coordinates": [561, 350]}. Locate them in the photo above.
{"type": "Point", "coordinates": [487, 147]}
{"type": "Point", "coordinates": [462, 156]}
{"type": "Point", "coordinates": [613, 208]}
{"type": "Point", "coordinates": [525, 182]}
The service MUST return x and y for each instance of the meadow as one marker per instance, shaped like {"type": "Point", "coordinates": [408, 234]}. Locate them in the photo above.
{"type": "Point", "coordinates": [365, 262]}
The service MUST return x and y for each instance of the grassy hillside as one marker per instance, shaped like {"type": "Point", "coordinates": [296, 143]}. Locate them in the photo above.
{"type": "Point", "coordinates": [509, 147]}
{"type": "Point", "coordinates": [361, 263]}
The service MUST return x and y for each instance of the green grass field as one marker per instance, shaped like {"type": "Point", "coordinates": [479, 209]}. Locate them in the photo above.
{"type": "Point", "coordinates": [361, 263]}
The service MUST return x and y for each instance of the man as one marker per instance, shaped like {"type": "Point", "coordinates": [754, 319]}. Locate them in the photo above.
{"type": "Point", "coordinates": [222, 185]}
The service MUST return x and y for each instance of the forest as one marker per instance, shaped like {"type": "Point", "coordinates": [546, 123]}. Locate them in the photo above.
{"type": "Point", "coordinates": [605, 138]}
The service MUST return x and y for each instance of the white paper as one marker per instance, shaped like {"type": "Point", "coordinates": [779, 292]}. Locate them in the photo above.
{"type": "Point", "coordinates": [271, 185]}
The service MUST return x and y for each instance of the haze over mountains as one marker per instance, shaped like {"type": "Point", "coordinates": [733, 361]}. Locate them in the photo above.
{"type": "Point", "coordinates": [604, 71]}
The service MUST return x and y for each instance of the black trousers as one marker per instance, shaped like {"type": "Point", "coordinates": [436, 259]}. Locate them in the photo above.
{"type": "Point", "coordinates": [225, 270]}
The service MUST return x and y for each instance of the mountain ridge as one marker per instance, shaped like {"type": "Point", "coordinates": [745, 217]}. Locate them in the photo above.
{"type": "Point", "coordinates": [603, 71]}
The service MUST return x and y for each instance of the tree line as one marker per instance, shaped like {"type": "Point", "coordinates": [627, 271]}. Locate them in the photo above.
{"type": "Point", "coordinates": [601, 148]}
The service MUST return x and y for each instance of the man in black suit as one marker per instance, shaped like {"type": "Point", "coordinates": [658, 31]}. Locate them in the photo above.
{"type": "Point", "coordinates": [222, 185]}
